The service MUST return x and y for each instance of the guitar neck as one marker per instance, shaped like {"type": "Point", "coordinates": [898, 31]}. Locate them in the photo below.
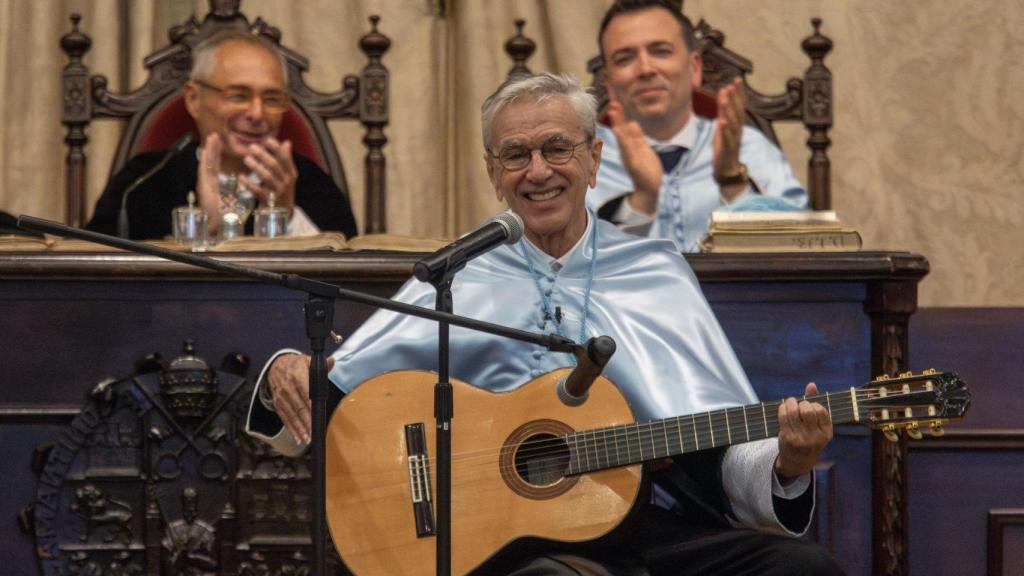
{"type": "Point", "coordinates": [624, 445]}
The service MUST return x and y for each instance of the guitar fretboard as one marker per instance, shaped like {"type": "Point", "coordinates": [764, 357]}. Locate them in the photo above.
{"type": "Point", "coordinates": [628, 444]}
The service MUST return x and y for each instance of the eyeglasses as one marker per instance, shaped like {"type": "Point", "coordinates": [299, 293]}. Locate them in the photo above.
{"type": "Point", "coordinates": [555, 152]}
{"type": "Point", "coordinates": [240, 97]}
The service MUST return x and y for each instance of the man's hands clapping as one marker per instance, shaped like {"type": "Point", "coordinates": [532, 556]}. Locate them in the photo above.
{"type": "Point", "coordinates": [732, 109]}
{"type": "Point", "coordinates": [638, 157]}
{"type": "Point", "coordinates": [272, 162]}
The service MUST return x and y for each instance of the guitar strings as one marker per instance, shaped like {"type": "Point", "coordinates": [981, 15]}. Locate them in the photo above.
{"type": "Point", "coordinates": [719, 428]}
{"type": "Point", "coordinates": [597, 443]}
{"type": "Point", "coordinates": [467, 464]}
{"type": "Point", "coordinates": [594, 439]}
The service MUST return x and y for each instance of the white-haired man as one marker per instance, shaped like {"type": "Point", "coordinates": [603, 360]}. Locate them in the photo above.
{"type": "Point", "coordinates": [581, 277]}
{"type": "Point", "coordinates": [237, 95]}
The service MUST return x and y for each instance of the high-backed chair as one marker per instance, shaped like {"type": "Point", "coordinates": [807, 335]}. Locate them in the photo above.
{"type": "Point", "coordinates": [156, 117]}
{"type": "Point", "coordinates": [807, 100]}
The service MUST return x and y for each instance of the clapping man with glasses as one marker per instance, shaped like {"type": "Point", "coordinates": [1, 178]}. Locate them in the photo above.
{"type": "Point", "coordinates": [237, 95]}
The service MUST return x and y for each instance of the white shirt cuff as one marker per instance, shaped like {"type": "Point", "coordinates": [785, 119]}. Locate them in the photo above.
{"type": "Point", "coordinates": [300, 224]}
{"type": "Point", "coordinates": [795, 489]}
{"type": "Point", "coordinates": [748, 478]}
{"type": "Point", "coordinates": [281, 440]}
{"type": "Point", "coordinates": [746, 192]}
{"type": "Point", "coordinates": [627, 216]}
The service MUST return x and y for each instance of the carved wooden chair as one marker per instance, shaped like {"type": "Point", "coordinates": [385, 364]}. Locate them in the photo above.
{"type": "Point", "coordinates": [156, 115]}
{"type": "Point", "coordinates": [807, 100]}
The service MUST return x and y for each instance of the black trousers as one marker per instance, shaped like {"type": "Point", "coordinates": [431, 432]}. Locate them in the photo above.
{"type": "Point", "coordinates": [663, 544]}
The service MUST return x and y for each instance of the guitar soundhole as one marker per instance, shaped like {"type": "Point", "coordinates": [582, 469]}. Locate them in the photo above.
{"type": "Point", "coordinates": [542, 459]}
{"type": "Point", "coordinates": [535, 458]}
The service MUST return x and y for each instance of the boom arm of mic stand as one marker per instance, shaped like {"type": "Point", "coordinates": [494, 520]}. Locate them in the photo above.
{"type": "Point", "coordinates": [552, 342]}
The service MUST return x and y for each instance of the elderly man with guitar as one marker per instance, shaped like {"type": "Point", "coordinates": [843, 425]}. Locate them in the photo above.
{"type": "Point", "coordinates": [673, 469]}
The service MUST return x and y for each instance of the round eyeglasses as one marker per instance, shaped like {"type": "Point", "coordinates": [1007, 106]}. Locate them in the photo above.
{"type": "Point", "coordinates": [240, 97]}
{"type": "Point", "coordinates": [554, 152]}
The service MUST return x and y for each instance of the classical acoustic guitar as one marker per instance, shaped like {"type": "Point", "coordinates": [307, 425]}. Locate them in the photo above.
{"type": "Point", "coordinates": [524, 464]}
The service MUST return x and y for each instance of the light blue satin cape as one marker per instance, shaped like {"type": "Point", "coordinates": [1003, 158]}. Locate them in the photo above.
{"type": "Point", "coordinates": [672, 357]}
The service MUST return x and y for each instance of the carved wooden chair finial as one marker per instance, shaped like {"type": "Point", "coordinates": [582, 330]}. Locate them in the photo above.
{"type": "Point", "coordinates": [373, 113]}
{"type": "Point", "coordinates": [519, 48]}
{"type": "Point", "coordinates": [227, 9]}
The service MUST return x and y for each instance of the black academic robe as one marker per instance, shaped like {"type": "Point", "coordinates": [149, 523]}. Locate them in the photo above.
{"type": "Point", "coordinates": [149, 206]}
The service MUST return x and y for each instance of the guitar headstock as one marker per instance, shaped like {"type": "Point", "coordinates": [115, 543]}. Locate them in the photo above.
{"type": "Point", "coordinates": [912, 402]}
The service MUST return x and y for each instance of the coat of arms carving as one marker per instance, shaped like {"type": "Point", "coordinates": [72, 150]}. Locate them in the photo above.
{"type": "Point", "coordinates": [157, 476]}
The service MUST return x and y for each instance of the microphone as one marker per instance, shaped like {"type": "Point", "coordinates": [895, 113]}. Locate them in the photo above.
{"type": "Point", "coordinates": [122, 215]}
{"type": "Point", "coordinates": [505, 228]}
{"type": "Point", "coordinates": [590, 361]}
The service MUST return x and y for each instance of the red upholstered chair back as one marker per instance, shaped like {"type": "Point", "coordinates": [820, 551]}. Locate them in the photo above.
{"type": "Point", "coordinates": [171, 121]}
{"type": "Point", "coordinates": [705, 104]}
{"type": "Point", "coordinates": [155, 115]}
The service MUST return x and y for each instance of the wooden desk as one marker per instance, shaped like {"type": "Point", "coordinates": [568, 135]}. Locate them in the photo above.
{"type": "Point", "coordinates": [71, 320]}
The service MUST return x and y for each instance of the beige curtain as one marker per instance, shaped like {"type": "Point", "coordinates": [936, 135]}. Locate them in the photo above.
{"type": "Point", "coordinates": [926, 148]}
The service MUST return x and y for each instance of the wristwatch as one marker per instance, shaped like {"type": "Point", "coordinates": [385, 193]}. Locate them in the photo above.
{"type": "Point", "coordinates": [738, 177]}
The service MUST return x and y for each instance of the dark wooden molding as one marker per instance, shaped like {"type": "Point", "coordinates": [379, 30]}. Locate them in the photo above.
{"type": "Point", "coordinates": [973, 439]}
{"type": "Point", "coordinates": [998, 520]}
{"type": "Point", "coordinates": [889, 305]}
{"type": "Point", "coordinates": [387, 266]}
{"type": "Point", "coordinates": [857, 266]}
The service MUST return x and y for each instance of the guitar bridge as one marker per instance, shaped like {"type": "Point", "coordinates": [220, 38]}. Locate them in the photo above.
{"type": "Point", "coordinates": [419, 479]}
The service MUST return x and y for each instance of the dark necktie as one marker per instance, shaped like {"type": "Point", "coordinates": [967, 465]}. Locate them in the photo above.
{"type": "Point", "coordinates": [670, 156]}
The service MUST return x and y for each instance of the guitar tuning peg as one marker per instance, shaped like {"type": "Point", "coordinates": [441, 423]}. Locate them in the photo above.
{"type": "Point", "coordinates": [336, 338]}
{"type": "Point", "coordinates": [914, 431]}
{"type": "Point", "coordinates": [881, 378]}
{"type": "Point", "coordinates": [930, 371]}
{"type": "Point", "coordinates": [906, 374]}
{"type": "Point", "coordinates": [890, 433]}
{"type": "Point", "coordinates": [936, 428]}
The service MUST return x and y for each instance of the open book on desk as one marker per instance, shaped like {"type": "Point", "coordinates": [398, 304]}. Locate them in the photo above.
{"type": "Point", "coordinates": [329, 241]}
{"type": "Point", "coordinates": [20, 243]}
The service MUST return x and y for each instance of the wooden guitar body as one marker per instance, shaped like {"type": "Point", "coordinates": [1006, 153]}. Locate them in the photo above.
{"type": "Point", "coordinates": [371, 486]}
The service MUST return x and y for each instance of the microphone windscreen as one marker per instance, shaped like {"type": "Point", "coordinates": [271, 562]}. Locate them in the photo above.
{"type": "Point", "coordinates": [513, 223]}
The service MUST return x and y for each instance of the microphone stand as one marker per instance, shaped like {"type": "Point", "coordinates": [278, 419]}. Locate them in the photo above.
{"type": "Point", "coordinates": [319, 315]}
{"type": "Point", "coordinates": [444, 411]}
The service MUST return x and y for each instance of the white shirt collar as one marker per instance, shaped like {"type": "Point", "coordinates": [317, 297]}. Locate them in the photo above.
{"type": "Point", "coordinates": [686, 137]}
{"type": "Point", "coordinates": [556, 264]}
